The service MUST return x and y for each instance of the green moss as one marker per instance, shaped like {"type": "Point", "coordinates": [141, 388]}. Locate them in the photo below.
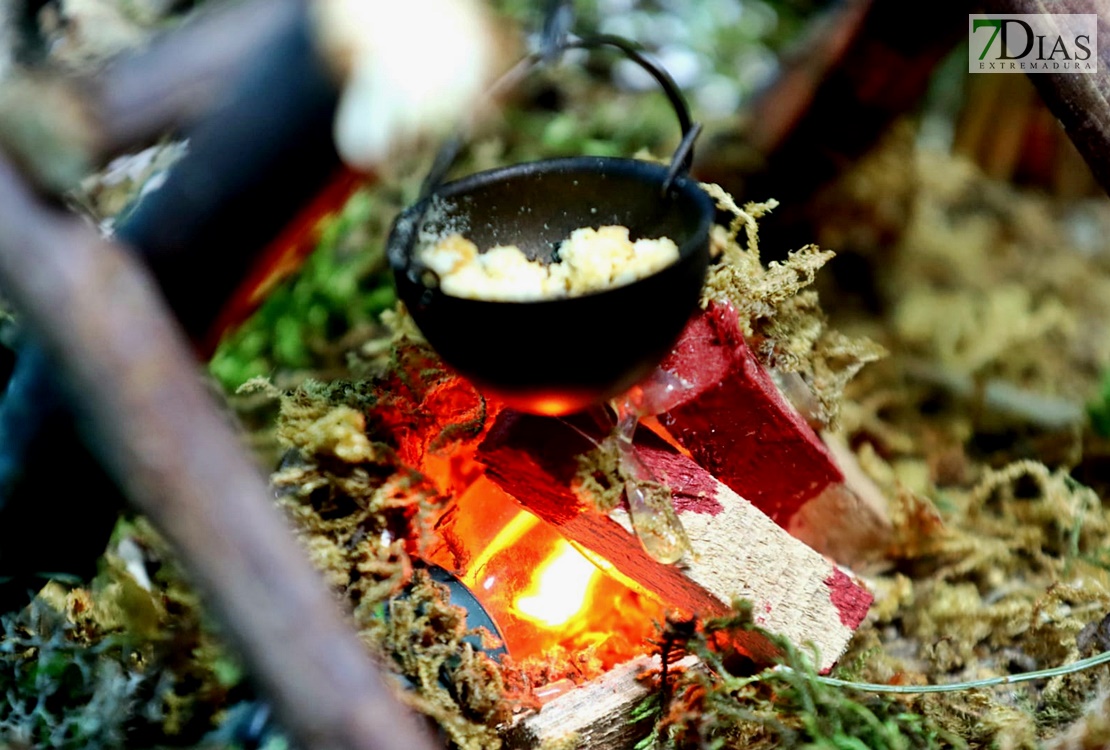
{"type": "Point", "coordinates": [343, 287]}
{"type": "Point", "coordinates": [720, 704]}
{"type": "Point", "coordinates": [120, 664]}
{"type": "Point", "coordinates": [1099, 409]}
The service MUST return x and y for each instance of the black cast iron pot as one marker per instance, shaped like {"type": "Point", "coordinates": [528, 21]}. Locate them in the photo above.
{"type": "Point", "coordinates": [559, 356]}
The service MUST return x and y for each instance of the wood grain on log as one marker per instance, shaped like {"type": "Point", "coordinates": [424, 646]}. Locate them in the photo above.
{"type": "Point", "coordinates": [738, 552]}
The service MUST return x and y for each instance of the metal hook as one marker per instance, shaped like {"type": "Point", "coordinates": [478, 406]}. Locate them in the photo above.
{"type": "Point", "coordinates": [555, 40]}
{"type": "Point", "coordinates": [683, 156]}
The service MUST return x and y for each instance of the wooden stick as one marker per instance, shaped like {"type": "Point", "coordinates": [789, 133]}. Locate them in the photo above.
{"type": "Point", "coordinates": [142, 404]}
{"type": "Point", "coordinates": [1080, 101]}
{"type": "Point", "coordinates": [597, 715]}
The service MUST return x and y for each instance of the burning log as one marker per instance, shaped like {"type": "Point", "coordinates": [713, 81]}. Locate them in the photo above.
{"type": "Point", "coordinates": [736, 424]}
{"type": "Point", "coordinates": [738, 550]}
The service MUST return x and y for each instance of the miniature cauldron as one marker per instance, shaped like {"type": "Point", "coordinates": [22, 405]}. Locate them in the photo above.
{"type": "Point", "coordinates": [558, 356]}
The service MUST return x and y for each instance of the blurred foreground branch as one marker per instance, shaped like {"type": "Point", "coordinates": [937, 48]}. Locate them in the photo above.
{"type": "Point", "coordinates": [141, 402]}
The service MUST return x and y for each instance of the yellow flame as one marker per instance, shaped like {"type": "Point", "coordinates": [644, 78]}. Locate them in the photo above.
{"type": "Point", "coordinates": [559, 587]}
{"type": "Point", "coordinates": [520, 525]}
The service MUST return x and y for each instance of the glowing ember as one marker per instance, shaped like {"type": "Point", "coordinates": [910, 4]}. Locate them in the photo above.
{"type": "Point", "coordinates": [559, 588]}
{"type": "Point", "coordinates": [541, 591]}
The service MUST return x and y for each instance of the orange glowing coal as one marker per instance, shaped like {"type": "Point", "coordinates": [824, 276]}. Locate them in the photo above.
{"type": "Point", "coordinates": [542, 592]}
{"type": "Point", "coordinates": [559, 587]}
{"type": "Point", "coordinates": [561, 612]}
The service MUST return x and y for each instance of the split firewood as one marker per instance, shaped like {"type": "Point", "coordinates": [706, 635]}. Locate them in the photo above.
{"type": "Point", "coordinates": [737, 551]}
{"type": "Point", "coordinates": [597, 715]}
{"type": "Point", "coordinates": [736, 424]}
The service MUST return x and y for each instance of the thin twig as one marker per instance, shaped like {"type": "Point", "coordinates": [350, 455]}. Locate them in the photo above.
{"type": "Point", "coordinates": [1007, 679]}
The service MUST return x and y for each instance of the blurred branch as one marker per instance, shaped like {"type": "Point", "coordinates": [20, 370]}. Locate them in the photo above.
{"type": "Point", "coordinates": [96, 312]}
{"type": "Point", "coordinates": [1080, 101]}
{"type": "Point", "coordinates": [58, 126]}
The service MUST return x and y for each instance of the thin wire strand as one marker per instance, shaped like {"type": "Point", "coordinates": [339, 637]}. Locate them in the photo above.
{"type": "Point", "coordinates": [1040, 674]}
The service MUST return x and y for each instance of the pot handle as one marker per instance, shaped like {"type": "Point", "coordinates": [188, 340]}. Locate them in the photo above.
{"type": "Point", "coordinates": [551, 49]}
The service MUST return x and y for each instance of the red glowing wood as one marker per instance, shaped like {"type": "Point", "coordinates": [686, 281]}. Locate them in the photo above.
{"type": "Point", "coordinates": [534, 459]}
{"type": "Point", "coordinates": [737, 550]}
{"type": "Point", "coordinates": [736, 424]}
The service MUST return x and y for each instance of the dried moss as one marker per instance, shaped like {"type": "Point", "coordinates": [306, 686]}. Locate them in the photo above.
{"type": "Point", "coordinates": [449, 680]}
{"type": "Point", "coordinates": [1000, 559]}
{"type": "Point", "coordinates": [601, 477]}
{"type": "Point", "coordinates": [1003, 581]}
{"type": "Point", "coordinates": [996, 282]}
{"type": "Point", "coordinates": [357, 507]}
{"type": "Point", "coordinates": [780, 317]}
{"type": "Point", "coordinates": [127, 662]}
{"type": "Point", "coordinates": [720, 704]}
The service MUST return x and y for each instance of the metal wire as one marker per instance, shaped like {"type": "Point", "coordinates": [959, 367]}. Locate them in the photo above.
{"type": "Point", "coordinates": [1011, 679]}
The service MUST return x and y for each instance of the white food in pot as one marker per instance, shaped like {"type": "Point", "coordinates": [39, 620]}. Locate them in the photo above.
{"type": "Point", "coordinates": [590, 260]}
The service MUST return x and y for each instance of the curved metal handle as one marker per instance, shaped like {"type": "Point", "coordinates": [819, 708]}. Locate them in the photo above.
{"type": "Point", "coordinates": [683, 156]}
{"type": "Point", "coordinates": [637, 55]}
